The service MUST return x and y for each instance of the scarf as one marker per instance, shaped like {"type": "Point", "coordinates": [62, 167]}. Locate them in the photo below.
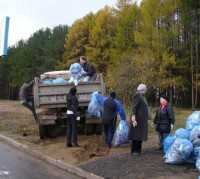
{"type": "Point", "coordinates": [163, 103]}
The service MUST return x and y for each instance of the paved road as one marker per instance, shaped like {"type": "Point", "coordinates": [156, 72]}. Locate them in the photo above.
{"type": "Point", "coordinates": [23, 166]}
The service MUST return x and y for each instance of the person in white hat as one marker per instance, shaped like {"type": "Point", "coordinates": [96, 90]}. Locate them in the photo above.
{"type": "Point", "coordinates": [139, 120]}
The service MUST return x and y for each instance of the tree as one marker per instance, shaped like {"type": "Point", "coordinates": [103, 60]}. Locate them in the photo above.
{"type": "Point", "coordinates": [101, 39]}
{"type": "Point", "coordinates": [77, 39]}
{"type": "Point", "coordinates": [40, 53]}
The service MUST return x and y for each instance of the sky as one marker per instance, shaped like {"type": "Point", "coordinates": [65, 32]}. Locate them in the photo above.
{"type": "Point", "coordinates": [28, 16]}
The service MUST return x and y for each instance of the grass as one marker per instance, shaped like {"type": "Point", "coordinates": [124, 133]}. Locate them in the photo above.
{"type": "Point", "coordinates": [14, 118]}
{"type": "Point", "coordinates": [181, 115]}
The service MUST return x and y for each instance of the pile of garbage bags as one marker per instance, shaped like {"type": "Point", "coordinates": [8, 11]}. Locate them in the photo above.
{"type": "Point", "coordinates": [76, 74]}
{"type": "Point", "coordinates": [54, 81]}
{"type": "Point", "coordinates": [184, 146]}
{"type": "Point", "coordinates": [179, 151]}
{"type": "Point", "coordinates": [95, 108]}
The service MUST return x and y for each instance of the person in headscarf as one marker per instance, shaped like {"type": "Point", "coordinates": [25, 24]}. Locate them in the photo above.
{"type": "Point", "coordinates": [139, 120]}
{"type": "Point", "coordinates": [164, 119]}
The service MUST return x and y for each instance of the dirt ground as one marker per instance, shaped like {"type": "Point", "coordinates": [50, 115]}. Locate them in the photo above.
{"type": "Point", "coordinates": [18, 123]}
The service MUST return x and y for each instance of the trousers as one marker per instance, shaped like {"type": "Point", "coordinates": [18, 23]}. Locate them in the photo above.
{"type": "Point", "coordinates": [71, 129]}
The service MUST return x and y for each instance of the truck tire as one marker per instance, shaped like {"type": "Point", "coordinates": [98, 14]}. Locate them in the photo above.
{"type": "Point", "coordinates": [55, 131]}
{"type": "Point", "coordinates": [89, 129]}
{"type": "Point", "coordinates": [43, 131]}
{"type": "Point", "coordinates": [99, 128]}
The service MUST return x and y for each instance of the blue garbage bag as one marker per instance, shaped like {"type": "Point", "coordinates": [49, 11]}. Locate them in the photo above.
{"type": "Point", "coordinates": [192, 158]}
{"type": "Point", "coordinates": [197, 151]}
{"type": "Point", "coordinates": [75, 68]}
{"type": "Point", "coordinates": [182, 133]}
{"type": "Point", "coordinates": [179, 152]}
{"type": "Point", "coordinates": [120, 110]}
{"type": "Point", "coordinates": [76, 73]}
{"type": "Point", "coordinates": [95, 107]}
{"type": "Point", "coordinates": [195, 136]}
{"type": "Point", "coordinates": [193, 120]}
{"type": "Point", "coordinates": [168, 141]}
{"type": "Point", "coordinates": [121, 133]}
{"type": "Point", "coordinates": [59, 81]}
{"type": "Point", "coordinates": [198, 163]}
{"type": "Point", "coordinates": [47, 82]}
{"type": "Point", "coordinates": [100, 98]}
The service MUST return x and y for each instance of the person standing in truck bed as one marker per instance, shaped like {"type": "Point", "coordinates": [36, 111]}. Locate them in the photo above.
{"type": "Point", "coordinates": [89, 69]}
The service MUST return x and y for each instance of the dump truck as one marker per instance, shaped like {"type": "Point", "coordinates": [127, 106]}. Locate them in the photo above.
{"type": "Point", "coordinates": [50, 104]}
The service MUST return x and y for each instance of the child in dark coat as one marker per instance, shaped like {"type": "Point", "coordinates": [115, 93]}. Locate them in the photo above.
{"type": "Point", "coordinates": [164, 120]}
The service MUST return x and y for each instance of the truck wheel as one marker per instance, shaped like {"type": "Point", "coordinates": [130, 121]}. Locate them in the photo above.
{"type": "Point", "coordinates": [99, 129]}
{"type": "Point", "coordinates": [90, 129]}
{"type": "Point", "coordinates": [42, 131]}
{"type": "Point", "coordinates": [55, 131]}
{"type": "Point", "coordinates": [87, 129]}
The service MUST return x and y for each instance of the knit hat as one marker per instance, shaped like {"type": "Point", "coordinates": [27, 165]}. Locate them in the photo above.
{"type": "Point", "coordinates": [165, 97]}
{"type": "Point", "coordinates": [113, 94]}
{"type": "Point", "coordinates": [142, 88]}
{"type": "Point", "coordinates": [73, 91]}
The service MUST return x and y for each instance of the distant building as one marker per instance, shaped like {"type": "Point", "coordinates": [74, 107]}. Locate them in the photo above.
{"type": "Point", "coordinates": [4, 28]}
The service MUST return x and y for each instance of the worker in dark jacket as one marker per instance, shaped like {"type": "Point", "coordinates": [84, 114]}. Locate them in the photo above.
{"type": "Point", "coordinates": [26, 97]}
{"type": "Point", "coordinates": [89, 69]}
{"type": "Point", "coordinates": [164, 119]}
{"type": "Point", "coordinates": [109, 118]}
{"type": "Point", "coordinates": [139, 120]}
{"type": "Point", "coordinates": [72, 113]}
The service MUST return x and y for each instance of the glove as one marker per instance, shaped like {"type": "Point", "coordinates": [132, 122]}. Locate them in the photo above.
{"type": "Point", "coordinates": [134, 122]}
{"type": "Point", "coordinates": [172, 126]}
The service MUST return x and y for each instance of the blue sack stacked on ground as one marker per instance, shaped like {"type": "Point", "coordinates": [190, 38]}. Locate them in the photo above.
{"type": "Point", "coordinates": [197, 151]}
{"type": "Point", "coordinates": [198, 164]}
{"type": "Point", "coordinates": [168, 141]}
{"type": "Point", "coordinates": [186, 147]}
{"type": "Point", "coordinates": [195, 136]}
{"type": "Point", "coordinates": [179, 152]}
{"type": "Point", "coordinates": [182, 133]}
{"type": "Point", "coordinates": [193, 120]}
{"type": "Point", "coordinates": [121, 133]}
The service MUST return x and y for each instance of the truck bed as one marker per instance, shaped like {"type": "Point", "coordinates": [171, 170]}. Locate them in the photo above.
{"type": "Point", "coordinates": [54, 95]}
